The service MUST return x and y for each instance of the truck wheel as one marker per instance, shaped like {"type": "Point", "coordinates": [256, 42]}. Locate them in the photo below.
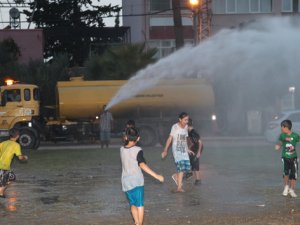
{"type": "Point", "coordinates": [27, 139]}
{"type": "Point", "coordinates": [148, 136]}
{"type": "Point", "coordinates": [37, 143]}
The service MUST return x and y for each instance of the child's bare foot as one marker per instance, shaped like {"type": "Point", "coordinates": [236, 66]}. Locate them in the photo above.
{"type": "Point", "coordinates": [179, 190]}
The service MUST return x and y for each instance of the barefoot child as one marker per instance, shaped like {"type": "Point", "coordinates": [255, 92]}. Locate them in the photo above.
{"type": "Point", "coordinates": [288, 141]}
{"type": "Point", "coordinates": [8, 149]}
{"type": "Point", "coordinates": [178, 138]}
{"type": "Point", "coordinates": [133, 163]}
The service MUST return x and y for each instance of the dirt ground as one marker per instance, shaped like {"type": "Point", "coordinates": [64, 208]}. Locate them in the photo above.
{"type": "Point", "coordinates": [241, 184]}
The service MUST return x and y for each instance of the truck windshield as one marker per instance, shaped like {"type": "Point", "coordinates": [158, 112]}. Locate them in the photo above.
{"type": "Point", "coordinates": [14, 95]}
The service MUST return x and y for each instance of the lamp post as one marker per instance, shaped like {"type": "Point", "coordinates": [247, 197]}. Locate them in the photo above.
{"type": "Point", "coordinates": [292, 92]}
{"type": "Point", "coordinates": [195, 7]}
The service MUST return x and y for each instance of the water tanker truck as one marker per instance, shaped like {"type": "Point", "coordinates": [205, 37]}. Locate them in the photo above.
{"type": "Point", "coordinates": [80, 102]}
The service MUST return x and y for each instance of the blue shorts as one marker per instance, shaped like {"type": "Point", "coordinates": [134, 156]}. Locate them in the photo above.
{"type": "Point", "coordinates": [135, 196]}
{"type": "Point", "coordinates": [183, 166]}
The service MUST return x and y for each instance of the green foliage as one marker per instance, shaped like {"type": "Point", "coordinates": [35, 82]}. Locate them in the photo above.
{"type": "Point", "coordinates": [119, 62]}
{"type": "Point", "coordinates": [9, 54]}
{"type": "Point", "coordinates": [69, 25]}
{"type": "Point", "coordinates": [46, 75]}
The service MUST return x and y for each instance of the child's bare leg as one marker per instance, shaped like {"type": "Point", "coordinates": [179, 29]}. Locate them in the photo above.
{"type": "Point", "coordinates": [179, 181]}
{"type": "Point", "coordinates": [135, 214]}
{"type": "Point", "coordinates": [292, 184]}
{"type": "Point", "coordinates": [2, 189]}
{"type": "Point", "coordinates": [286, 180]}
{"type": "Point", "coordinates": [141, 214]}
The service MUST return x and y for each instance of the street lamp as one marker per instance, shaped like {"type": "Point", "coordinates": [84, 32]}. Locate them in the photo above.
{"type": "Point", "coordinates": [292, 92]}
{"type": "Point", "coordinates": [195, 7]}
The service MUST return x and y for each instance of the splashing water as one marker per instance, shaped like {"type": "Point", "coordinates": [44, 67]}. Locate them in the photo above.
{"type": "Point", "coordinates": [267, 50]}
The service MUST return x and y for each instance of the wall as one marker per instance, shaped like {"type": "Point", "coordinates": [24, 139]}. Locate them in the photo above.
{"type": "Point", "coordinates": [30, 42]}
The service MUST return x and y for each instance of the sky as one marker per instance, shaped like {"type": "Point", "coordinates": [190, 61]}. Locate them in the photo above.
{"type": "Point", "coordinates": [110, 21]}
{"type": "Point", "coordinates": [4, 14]}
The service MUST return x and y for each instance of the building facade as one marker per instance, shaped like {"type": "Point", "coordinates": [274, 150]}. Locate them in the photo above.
{"type": "Point", "coordinates": [151, 21]}
{"type": "Point", "coordinates": [30, 43]}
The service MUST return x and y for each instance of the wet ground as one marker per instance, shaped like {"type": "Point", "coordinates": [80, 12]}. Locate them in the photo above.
{"type": "Point", "coordinates": [72, 184]}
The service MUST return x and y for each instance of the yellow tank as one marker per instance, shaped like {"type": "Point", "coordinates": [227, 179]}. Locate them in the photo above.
{"type": "Point", "coordinates": [79, 99]}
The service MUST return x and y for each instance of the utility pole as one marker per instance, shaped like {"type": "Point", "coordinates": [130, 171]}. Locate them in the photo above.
{"type": "Point", "coordinates": [205, 20]}
{"type": "Point", "coordinates": [201, 13]}
{"type": "Point", "coordinates": [178, 29]}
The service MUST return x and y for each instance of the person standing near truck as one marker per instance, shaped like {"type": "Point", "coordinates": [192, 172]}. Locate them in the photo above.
{"type": "Point", "coordinates": [106, 125]}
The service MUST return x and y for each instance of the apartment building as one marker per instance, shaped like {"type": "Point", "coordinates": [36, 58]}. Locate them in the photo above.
{"type": "Point", "coordinates": [151, 21]}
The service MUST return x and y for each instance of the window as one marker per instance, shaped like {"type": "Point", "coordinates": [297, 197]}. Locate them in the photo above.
{"type": "Point", "coordinates": [184, 4]}
{"type": "Point", "coordinates": [27, 94]}
{"type": "Point", "coordinates": [36, 94]}
{"type": "Point", "coordinates": [265, 6]}
{"type": "Point", "coordinates": [231, 6]}
{"type": "Point", "coordinates": [14, 95]}
{"type": "Point", "coordinates": [290, 6]}
{"type": "Point", "coordinates": [219, 6]}
{"type": "Point", "coordinates": [164, 47]}
{"type": "Point", "coordinates": [242, 6]}
{"type": "Point", "coordinates": [160, 5]}
{"type": "Point", "coordinates": [254, 6]}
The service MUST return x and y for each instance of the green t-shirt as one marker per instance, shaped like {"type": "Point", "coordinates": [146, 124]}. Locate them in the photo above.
{"type": "Point", "coordinates": [289, 142]}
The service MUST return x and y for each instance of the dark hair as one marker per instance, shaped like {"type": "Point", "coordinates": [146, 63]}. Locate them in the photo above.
{"type": "Point", "coordinates": [13, 133]}
{"type": "Point", "coordinates": [286, 123]}
{"type": "Point", "coordinates": [190, 123]}
{"type": "Point", "coordinates": [182, 115]}
{"type": "Point", "coordinates": [130, 123]}
{"type": "Point", "coordinates": [132, 134]}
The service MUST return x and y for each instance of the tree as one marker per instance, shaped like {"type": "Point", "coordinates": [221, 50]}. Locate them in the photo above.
{"type": "Point", "coordinates": [9, 54]}
{"type": "Point", "coordinates": [46, 75]}
{"type": "Point", "coordinates": [119, 62]}
{"type": "Point", "coordinates": [69, 26]}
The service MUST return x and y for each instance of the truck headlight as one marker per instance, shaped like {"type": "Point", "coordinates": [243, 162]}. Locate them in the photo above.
{"type": "Point", "coordinates": [213, 117]}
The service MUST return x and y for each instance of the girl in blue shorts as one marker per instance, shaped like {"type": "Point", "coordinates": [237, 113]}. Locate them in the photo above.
{"type": "Point", "coordinates": [133, 162]}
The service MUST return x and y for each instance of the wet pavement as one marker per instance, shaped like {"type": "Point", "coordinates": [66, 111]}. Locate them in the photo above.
{"type": "Point", "coordinates": [80, 184]}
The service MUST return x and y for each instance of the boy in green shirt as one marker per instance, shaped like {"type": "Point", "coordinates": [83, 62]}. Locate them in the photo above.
{"type": "Point", "coordinates": [288, 141]}
{"type": "Point", "coordinates": [8, 149]}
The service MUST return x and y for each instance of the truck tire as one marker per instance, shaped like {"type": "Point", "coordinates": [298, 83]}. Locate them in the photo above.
{"type": "Point", "coordinates": [27, 138]}
{"type": "Point", "coordinates": [148, 136]}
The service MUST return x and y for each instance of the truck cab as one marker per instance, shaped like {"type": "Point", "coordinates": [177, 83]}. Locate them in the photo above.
{"type": "Point", "coordinates": [19, 108]}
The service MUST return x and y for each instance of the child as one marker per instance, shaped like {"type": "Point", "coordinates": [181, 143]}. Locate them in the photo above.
{"type": "Point", "coordinates": [133, 163]}
{"type": "Point", "coordinates": [178, 136]}
{"type": "Point", "coordinates": [8, 149]}
{"type": "Point", "coordinates": [288, 141]}
{"type": "Point", "coordinates": [129, 123]}
{"type": "Point", "coordinates": [196, 146]}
